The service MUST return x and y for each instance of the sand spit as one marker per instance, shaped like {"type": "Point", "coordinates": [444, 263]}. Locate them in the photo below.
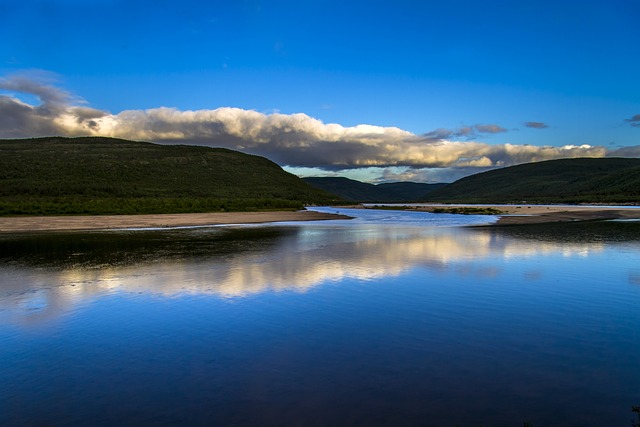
{"type": "Point", "coordinates": [539, 214]}
{"type": "Point", "coordinates": [107, 222]}
{"type": "Point", "coordinates": [565, 214]}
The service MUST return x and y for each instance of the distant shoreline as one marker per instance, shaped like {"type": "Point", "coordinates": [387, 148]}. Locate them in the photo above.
{"type": "Point", "coordinates": [537, 214]}
{"type": "Point", "coordinates": [110, 222]}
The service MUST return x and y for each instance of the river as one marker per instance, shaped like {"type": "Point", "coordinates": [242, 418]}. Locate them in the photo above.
{"type": "Point", "coordinates": [392, 318]}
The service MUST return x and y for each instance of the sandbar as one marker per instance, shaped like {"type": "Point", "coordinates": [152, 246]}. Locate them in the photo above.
{"type": "Point", "coordinates": [109, 222]}
{"type": "Point", "coordinates": [540, 214]}
{"type": "Point", "coordinates": [567, 214]}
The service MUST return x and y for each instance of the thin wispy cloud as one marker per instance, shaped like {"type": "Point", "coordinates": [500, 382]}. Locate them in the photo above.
{"type": "Point", "coordinates": [634, 121]}
{"type": "Point", "coordinates": [294, 140]}
{"type": "Point", "coordinates": [464, 132]}
{"type": "Point", "coordinates": [536, 125]}
{"type": "Point", "coordinates": [489, 129]}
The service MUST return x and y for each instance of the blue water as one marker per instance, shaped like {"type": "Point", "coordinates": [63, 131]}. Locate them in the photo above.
{"type": "Point", "coordinates": [393, 318]}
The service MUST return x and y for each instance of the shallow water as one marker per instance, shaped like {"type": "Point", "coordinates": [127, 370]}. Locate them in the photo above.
{"type": "Point", "coordinates": [393, 318]}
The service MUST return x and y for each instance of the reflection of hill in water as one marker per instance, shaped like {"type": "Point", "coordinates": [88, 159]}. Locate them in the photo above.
{"type": "Point", "coordinates": [111, 249]}
{"type": "Point", "coordinates": [579, 232]}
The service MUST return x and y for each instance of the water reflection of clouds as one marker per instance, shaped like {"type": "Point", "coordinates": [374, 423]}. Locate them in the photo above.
{"type": "Point", "coordinates": [293, 262]}
{"type": "Point", "coordinates": [37, 296]}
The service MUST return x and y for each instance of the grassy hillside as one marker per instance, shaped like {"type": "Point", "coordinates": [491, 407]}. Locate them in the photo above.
{"type": "Point", "coordinates": [356, 191]}
{"type": "Point", "coordinates": [607, 180]}
{"type": "Point", "coordinates": [56, 175]}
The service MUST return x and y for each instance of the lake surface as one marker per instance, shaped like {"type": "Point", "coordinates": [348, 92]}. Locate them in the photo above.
{"type": "Point", "coordinates": [391, 319]}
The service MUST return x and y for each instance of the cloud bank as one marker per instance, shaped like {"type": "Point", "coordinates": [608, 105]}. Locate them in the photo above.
{"type": "Point", "coordinates": [293, 140]}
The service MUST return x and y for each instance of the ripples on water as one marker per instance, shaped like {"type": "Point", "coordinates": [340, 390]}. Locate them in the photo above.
{"type": "Point", "coordinates": [393, 318]}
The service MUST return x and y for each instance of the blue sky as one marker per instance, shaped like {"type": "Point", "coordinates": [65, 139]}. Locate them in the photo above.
{"type": "Point", "coordinates": [445, 88]}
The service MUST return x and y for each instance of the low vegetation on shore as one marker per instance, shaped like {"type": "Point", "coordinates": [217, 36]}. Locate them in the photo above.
{"type": "Point", "coordinates": [66, 176]}
{"type": "Point", "coordinates": [468, 210]}
{"type": "Point", "coordinates": [461, 210]}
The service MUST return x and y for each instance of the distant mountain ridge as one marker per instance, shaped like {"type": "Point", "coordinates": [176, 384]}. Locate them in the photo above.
{"type": "Point", "coordinates": [95, 175]}
{"type": "Point", "coordinates": [357, 191]}
{"type": "Point", "coordinates": [582, 180]}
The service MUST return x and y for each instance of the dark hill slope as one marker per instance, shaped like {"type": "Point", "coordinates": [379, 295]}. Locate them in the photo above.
{"type": "Point", "coordinates": [607, 180]}
{"type": "Point", "coordinates": [407, 191]}
{"type": "Point", "coordinates": [356, 191]}
{"type": "Point", "coordinates": [56, 175]}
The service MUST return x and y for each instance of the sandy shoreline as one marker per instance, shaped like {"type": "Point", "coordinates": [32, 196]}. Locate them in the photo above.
{"type": "Point", "coordinates": [539, 214]}
{"type": "Point", "coordinates": [107, 222]}
{"type": "Point", "coordinates": [509, 215]}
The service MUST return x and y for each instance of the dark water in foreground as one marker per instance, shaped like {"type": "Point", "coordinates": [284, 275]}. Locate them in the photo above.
{"type": "Point", "coordinates": [391, 319]}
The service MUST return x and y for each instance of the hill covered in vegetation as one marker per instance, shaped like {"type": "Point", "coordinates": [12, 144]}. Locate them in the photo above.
{"type": "Point", "coordinates": [584, 180]}
{"type": "Point", "coordinates": [356, 191]}
{"type": "Point", "coordinates": [55, 175]}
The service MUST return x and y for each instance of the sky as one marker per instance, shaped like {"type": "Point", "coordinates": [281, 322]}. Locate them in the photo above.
{"type": "Point", "coordinates": [425, 91]}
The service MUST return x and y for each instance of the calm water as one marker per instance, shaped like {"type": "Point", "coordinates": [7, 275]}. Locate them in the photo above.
{"type": "Point", "coordinates": [394, 318]}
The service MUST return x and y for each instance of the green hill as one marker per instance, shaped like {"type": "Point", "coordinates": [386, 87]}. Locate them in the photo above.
{"type": "Point", "coordinates": [604, 180]}
{"type": "Point", "coordinates": [56, 175]}
{"type": "Point", "coordinates": [356, 191]}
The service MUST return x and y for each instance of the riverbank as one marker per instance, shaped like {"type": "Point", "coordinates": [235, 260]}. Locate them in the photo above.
{"type": "Point", "coordinates": [569, 214]}
{"type": "Point", "coordinates": [536, 214]}
{"type": "Point", "coordinates": [108, 222]}
{"type": "Point", "coordinates": [508, 215]}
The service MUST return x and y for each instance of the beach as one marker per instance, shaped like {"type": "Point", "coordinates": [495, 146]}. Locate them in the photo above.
{"type": "Point", "coordinates": [109, 222]}
{"type": "Point", "coordinates": [539, 214]}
